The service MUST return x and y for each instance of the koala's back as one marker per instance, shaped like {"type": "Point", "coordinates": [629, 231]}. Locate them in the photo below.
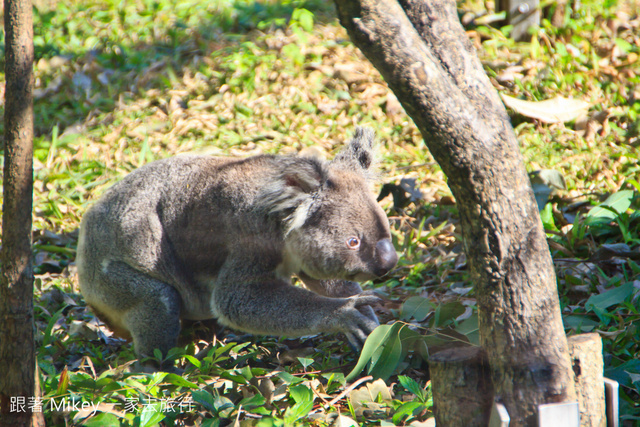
{"type": "Point", "coordinates": [175, 220]}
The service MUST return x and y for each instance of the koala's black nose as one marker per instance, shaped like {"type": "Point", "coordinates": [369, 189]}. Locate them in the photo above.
{"type": "Point", "coordinates": [386, 256]}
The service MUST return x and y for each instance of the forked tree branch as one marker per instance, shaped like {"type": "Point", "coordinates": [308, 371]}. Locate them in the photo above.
{"type": "Point", "coordinates": [421, 50]}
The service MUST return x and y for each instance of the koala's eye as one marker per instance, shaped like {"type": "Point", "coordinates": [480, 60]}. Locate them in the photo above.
{"type": "Point", "coordinates": [353, 243]}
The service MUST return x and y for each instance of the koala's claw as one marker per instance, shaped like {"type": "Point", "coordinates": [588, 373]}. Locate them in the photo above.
{"type": "Point", "coordinates": [359, 319]}
{"type": "Point", "coordinates": [356, 341]}
{"type": "Point", "coordinates": [368, 312]}
{"type": "Point", "coordinates": [363, 302]}
{"type": "Point", "coordinates": [358, 335]}
{"type": "Point", "coordinates": [365, 298]}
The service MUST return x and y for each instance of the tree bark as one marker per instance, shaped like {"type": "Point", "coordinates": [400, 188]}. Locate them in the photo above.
{"type": "Point", "coordinates": [17, 352]}
{"type": "Point", "coordinates": [422, 51]}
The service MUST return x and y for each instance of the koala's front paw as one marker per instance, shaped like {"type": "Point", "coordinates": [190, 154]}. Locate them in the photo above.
{"type": "Point", "coordinates": [357, 319]}
{"type": "Point", "coordinates": [367, 310]}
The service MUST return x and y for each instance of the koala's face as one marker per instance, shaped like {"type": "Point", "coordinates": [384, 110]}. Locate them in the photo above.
{"type": "Point", "coordinates": [346, 233]}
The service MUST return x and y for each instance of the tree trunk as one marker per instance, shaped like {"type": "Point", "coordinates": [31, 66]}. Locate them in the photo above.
{"type": "Point", "coordinates": [422, 51]}
{"type": "Point", "coordinates": [17, 353]}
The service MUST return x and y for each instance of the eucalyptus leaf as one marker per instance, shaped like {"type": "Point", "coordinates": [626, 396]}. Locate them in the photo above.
{"type": "Point", "coordinates": [469, 328]}
{"type": "Point", "coordinates": [615, 204]}
{"type": "Point", "coordinates": [579, 323]}
{"type": "Point", "coordinates": [621, 372]}
{"type": "Point", "coordinates": [417, 308]}
{"type": "Point", "coordinates": [374, 346]}
{"type": "Point", "coordinates": [385, 365]}
{"type": "Point", "coordinates": [446, 313]}
{"type": "Point", "coordinates": [611, 297]}
{"type": "Point", "coordinates": [373, 343]}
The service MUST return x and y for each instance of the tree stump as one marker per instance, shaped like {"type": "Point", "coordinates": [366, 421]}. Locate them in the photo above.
{"type": "Point", "coordinates": [588, 366]}
{"type": "Point", "coordinates": [461, 385]}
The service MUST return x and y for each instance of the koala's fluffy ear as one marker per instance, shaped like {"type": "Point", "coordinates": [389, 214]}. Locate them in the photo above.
{"type": "Point", "coordinates": [359, 152]}
{"type": "Point", "coordinates": [293, 191]}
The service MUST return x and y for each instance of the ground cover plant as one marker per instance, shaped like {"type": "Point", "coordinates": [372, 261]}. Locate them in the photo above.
{"type": "Point", "coordinates": [120, 84]}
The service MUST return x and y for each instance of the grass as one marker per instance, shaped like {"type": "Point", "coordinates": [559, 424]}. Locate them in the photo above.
{"type": "Point", "coordinates": [120, 84]}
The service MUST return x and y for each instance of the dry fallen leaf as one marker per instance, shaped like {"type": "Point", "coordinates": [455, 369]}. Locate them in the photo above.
{"type": "Point", "coordinates": [350, 72]}
{"type": "Point", "coordinates": [366, 397]}
{"type": "Point", "coordinates": [556, 110]}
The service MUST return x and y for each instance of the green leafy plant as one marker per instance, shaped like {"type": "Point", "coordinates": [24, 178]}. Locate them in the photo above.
{"type": "Point", "coordinates": [423, 402]}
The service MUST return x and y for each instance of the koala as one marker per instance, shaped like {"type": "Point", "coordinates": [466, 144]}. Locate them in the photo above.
{"type": "Point", "coordinates": [201, 237]}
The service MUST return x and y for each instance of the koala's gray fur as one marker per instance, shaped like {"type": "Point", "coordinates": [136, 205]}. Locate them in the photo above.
{"type": "Point", "coordinates": [199, 237]}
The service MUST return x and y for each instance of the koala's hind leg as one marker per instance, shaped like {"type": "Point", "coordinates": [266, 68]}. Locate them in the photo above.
{"type": "Point", "coordinates": [145, 308]}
